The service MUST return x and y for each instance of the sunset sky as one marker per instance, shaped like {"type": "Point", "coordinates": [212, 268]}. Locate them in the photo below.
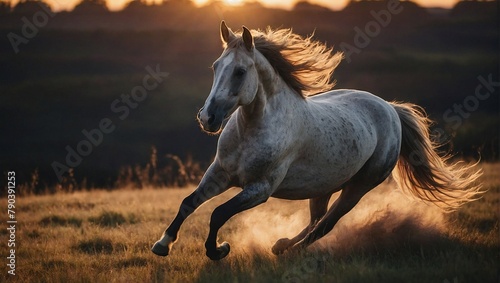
{"type": "Point", "coordinates": [287, 4]}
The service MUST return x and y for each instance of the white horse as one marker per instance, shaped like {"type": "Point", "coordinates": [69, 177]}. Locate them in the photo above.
{"type": "Point", "coordinates": [281, 142]}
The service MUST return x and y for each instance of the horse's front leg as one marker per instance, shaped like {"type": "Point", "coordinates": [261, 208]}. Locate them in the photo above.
{"type": "Point", "coordinates": [251, 196]}
{"type": "Point", "coordinates": [214, 182]}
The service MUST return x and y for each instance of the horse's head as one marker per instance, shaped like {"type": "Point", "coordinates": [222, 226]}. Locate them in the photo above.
{"type": "Point", "coordinates": [235, 79]}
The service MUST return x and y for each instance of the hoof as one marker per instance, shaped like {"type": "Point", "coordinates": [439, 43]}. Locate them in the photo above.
{"type": "Point", "coordinates": [159, 249]}
{"type": "Point", "coordinates": [220, 252]}
{"type": "Point", "coordinates": [280, 246]}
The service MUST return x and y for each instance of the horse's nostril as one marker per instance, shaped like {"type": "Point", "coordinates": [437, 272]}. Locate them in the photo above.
{"type": "Point", "coordinates": [211, 119]}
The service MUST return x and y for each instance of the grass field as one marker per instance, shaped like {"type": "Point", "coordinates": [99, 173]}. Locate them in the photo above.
{"type": "Point", "coordinates": [101, 236]}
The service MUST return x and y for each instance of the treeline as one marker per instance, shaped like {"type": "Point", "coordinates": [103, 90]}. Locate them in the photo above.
{"type": "Point", "coordinates": [184, 15]}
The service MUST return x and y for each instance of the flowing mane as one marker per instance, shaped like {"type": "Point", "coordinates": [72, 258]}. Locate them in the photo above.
{"type": "Point", "coordinates": [304, 64]}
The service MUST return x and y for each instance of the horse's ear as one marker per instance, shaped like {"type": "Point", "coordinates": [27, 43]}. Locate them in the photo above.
{"type": "Point", "coordinates": [225, 33]}
{"type": "Point", "coordinates": [247, 39]}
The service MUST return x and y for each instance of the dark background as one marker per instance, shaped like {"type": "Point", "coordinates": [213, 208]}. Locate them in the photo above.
{"type": "Point", "coordinates": [64, 79]}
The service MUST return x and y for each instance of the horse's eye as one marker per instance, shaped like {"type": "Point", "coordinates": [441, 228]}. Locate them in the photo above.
{"type": "Point", "coordinates": [239, 72]}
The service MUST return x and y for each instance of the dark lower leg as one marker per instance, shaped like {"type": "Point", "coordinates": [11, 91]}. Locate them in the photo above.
{"type": "Point", "coordinates": [163, 246]}
{"type": "Point", "coordinates": [347, 200]}
{"type": "Point", "coordinates": [243, 201]}
{"type": "Point", "coordinates": [214, 182]}
{"type": "Point", "coordinates": [317, 207]}
{"type": "Point", "coordinates": [188, 206]}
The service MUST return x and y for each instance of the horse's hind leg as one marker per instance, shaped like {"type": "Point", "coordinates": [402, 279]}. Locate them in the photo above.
{"type": "Point", "coordinates": [349, 197]}
{"type": "Point", "coordinates": [374, 172]}
{"type": "Point", "coordinates": [214, 182]}
{"type": "Point", "coordinates": [317, 207]}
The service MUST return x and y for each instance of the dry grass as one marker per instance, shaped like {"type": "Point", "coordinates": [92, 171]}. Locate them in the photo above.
{"type": "Point", "coordinates": [101, 236]}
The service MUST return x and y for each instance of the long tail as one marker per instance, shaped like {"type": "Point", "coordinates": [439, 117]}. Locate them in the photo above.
{"type": "Point", "coordinates": [423, 172]}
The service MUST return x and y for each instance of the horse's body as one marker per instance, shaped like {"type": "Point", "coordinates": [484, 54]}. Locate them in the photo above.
{"type": "Point", "coordinates": [349, 131]}
{"type": "Point", "coordinates": [280, 143]}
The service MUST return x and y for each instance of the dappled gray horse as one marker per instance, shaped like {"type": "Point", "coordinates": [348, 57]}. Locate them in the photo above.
{"type": "Point", "coordinates": [281, 141]}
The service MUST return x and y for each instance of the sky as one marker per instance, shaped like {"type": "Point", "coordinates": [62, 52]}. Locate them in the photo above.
{"type": "Point", "coordinates": [59, 5]}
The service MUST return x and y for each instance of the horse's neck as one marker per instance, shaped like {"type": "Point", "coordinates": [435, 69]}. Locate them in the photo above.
{"type": "Point", "coordinates": [274, 96]}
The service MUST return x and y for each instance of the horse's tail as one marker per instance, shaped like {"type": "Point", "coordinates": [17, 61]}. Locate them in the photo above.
{"type": "Point", "coordinates": [422, 171]}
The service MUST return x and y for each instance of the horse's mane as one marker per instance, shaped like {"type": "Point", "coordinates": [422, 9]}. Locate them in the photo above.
{"type": "Point", "coordinates": [304, 64]}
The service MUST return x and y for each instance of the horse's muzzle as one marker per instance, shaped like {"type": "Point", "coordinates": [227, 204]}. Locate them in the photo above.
{"type": "Point", "coordinates": [210, 122]}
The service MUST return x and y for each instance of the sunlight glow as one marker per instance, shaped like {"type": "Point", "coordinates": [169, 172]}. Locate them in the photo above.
{"type": "Point", "coordinates": [115, 5]}
{"type": "Point", "coordinates": [234, 2]}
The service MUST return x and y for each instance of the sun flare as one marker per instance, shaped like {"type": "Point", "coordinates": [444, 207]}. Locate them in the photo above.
{"type": "Point", "coordinates": [234, 2]}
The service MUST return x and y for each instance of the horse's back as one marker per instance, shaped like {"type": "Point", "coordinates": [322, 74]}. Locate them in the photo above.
{"type": "Point", "coordinates": [350, 98]}
{"type": "Point", "coordinates": [361, 106]}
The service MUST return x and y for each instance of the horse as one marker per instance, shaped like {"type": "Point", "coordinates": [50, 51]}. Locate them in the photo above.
{"type": "Point", "coordinates": [284, 133]}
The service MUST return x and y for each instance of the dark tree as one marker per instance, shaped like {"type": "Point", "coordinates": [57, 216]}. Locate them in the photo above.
{"type": "Point", "coordinates": [91, 6]}
{"type": "Point", "coordinates": [5, 7]}
{"type": "Point", "coordinates": [29, 6]}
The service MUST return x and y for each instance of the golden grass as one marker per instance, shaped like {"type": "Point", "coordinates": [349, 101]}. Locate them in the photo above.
{"type": "Point", "coordinates": [102, 236]}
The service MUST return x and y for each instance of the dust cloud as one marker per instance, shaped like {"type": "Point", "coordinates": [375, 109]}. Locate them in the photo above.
{"type": "Point", "coordinates": [385, 218]}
